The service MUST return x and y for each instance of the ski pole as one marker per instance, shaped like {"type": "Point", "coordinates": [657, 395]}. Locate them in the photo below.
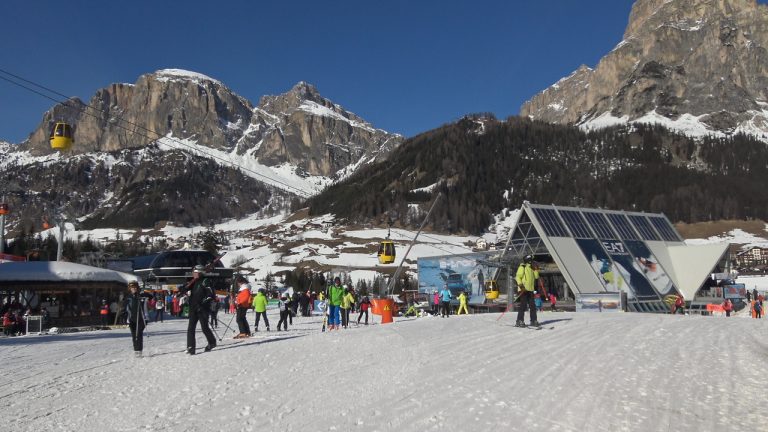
{"type": "Point", "coordinates": [227, 325]}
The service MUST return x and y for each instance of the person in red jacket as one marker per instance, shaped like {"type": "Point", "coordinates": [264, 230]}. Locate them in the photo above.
{"type": "Point", "coordinates": [727, 307]}
{"type": "Point", "coordinates": [435, 303]}
{"type": "Point", "coordinates": [243, 302]}
{"type": "Point", "coordinates": [104, 312]}
{"type": "Point", "coordinates": [679, 305]}
{"type": "Point", "coordinates": [9, 324]}
{"type": "Point", "coordinates": [365, 303]}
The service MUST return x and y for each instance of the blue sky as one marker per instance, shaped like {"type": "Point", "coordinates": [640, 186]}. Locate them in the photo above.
{"type": "Point", "coordinates": [405, 66]}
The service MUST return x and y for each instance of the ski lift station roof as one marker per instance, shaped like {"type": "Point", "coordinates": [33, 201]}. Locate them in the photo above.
{"type": "Point", "coordinates": [608, 252]}
{"type": "Point", "coordinates": [35, 272]}
{"type": "Point", "coordinates": [603, 251]}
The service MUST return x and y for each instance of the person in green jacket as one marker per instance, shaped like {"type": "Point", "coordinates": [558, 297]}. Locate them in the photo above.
{"type": "Point", "coordinates": [260, 307]}
{"type": "Point", "coordinates": [346, 306]}
{"type": "Point", "coordinates": [526, 278]}
{"type": "Point", "coordinates": [335, 297]}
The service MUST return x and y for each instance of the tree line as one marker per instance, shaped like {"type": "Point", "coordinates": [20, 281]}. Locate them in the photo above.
{"type": "Point", "coordinates": [483, 165]}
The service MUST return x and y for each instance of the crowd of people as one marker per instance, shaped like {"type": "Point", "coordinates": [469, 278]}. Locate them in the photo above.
{"type": "Point", "coordinates": [15, 316]}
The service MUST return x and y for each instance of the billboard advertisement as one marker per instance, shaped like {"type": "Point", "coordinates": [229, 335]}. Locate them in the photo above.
{"type": "Point", "coordinates": [735, 291]}
{"type": "Point", "coordinates": [646, 263]}
{"type": "Point", "coordinates": [458, 272]}
{"type": "Point", "coordinates": [609, 274]}
{"type": "Point", "coordinates": [607, 302]}
{"type": "Point", "coordinates": [634, 278]}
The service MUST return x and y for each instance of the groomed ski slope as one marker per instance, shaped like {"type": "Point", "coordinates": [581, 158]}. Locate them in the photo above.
{"type": "Point", "coordinates": [592, 372]}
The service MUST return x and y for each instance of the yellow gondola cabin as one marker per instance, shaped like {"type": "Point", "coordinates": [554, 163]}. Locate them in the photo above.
{"type": "Point", "coordinates": [491, 289]}
{"type": "Point", "coordinates": [61, 136]}
{"type": "Point", "coordinates": [386, 252]}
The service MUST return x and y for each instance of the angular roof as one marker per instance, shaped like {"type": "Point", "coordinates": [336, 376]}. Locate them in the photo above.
{"type": "Point", "coordinates": [603, 251]}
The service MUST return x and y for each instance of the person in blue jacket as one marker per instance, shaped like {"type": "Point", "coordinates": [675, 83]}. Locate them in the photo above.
{"type": "Point", "coordinates": [445, 301]}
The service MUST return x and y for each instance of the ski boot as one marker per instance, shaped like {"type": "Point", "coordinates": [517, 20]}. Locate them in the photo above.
{"type": "Point", "coordinates": [190, 351]}
{"type": "Point", "coordinates": [519, 323]}
{"type": "Point", "coordinates": [535, 324]}
{"type": "Point", "coordinates": [209, 347]}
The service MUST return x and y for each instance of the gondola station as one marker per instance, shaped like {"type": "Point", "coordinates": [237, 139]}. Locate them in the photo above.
{"type": "Point", "coordinates": [603, 259]}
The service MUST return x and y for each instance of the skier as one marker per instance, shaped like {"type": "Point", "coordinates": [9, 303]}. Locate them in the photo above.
{"type": "Point", "coordinates": [758, 309]}
{"type": "Point", "coordinates": [304, 303]}
{"type": "Point", "coordinates": [347, 301]}
{"type": "Point", "coordinates": [214, 312]}
{"type": "Point", "coordinates": [526, 277]}
{"type": "Point", "coordinates": [104, 312]}
{"type": "Point", "coordinates": [727, 307]}
{"type": "Point", "coordinates": [285, 310]}
{"type": "Point", "coordinates": [159, 308]}
{"type": "Point", "coordinates": [243, 302]}
{"type": "Point", "coordinates": [200, 295]}
{"type": "Point", "coordinates": [435, 303]}
{"type": "Point", "coordinates": [260, 307]}
{"type": "Point", "coordinates": [679, 305]}
{"type": "Point", "coordinates": [365, 303]}
{"type": "Point", "coordinates": [445, 301]}
{"type": "Point", "coordinates": [335, 296]}
{"type": "Point", "coordinates": [135, 311]}
{"type": "Point", "coordinates": [462, 304]}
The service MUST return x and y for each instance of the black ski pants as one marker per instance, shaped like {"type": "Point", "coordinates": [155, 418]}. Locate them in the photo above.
{"type": "Point", "coordinates": [242, 323]}
{"type": "Point", "coordinates": [266, 321]}
{"type": "Point", "coordinates": [344, 317]}
{"type": "Point", "coordinates": [446, 305]}
{"type": "Point", "coordinates": [195, 316]}
{"type": "Point", "coordinates": [284, 319]}
{"type": "Point", "coordinates": [137, 335]}
{"type": "Point", "coordinates": [527, 300]}
{"type": "Point", "coordinates": [361, 315]}
{"type": "Point", "coordinates": [214, 319]}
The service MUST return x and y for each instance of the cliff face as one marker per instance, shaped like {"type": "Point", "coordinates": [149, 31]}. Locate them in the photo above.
{"type": "Point", "coordinates": [120, 174]}
{"type": "Point", "coordinates": [704, 58]}
{"type": "Point", "coordinates": [300, 127]}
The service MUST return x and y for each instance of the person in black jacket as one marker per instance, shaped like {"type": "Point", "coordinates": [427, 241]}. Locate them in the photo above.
{"type": "Point", "coordinates": [200, 296]}
{"type": "Point", "coordinates": [134, 309]}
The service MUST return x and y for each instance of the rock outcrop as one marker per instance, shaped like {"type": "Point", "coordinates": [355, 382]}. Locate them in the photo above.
{"type": "Point", "coordinates": [299, 127]}
{"type": "Point", "coordinates": [697, 60]}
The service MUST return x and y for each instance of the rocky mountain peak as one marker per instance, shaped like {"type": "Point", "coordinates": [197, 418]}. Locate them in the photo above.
{"type": "Point", "coordinates": [182, 76]}
{"type": "Point", "coordinates": [698, 64]}
{"type": "Point", "coordinates": [296, 98]}
{"type": "Point", "coordinates": [658, 12]}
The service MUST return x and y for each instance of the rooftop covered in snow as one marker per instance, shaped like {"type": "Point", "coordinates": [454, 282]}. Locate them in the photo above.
{"type": "Point", "coordinates": [35, 272]}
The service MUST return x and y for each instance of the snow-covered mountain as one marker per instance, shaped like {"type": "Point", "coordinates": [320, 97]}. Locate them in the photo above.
{"type": "Point", "coordinates": [697, 66]}
{"type": "Point", "coordinates": [183, 147]}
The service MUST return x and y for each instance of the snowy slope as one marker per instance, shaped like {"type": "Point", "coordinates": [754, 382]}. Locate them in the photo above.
{"type": "Point", "coordinates": [592, 372]}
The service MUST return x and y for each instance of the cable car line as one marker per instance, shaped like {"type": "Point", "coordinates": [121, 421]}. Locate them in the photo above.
{"type": "Point", "coordinates": [83, 107]}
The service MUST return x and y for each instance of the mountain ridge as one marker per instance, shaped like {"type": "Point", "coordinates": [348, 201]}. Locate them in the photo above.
{"type": "Point", "coordinates": [698, 64]}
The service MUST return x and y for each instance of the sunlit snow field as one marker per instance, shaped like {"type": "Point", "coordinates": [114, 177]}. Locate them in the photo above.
{"type": "Point", "coordinates": [589, 372]}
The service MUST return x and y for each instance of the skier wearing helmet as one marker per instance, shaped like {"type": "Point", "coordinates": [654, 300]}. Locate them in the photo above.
{"type": "Point", "coordinates": [526, 277]}
{"type": "Point", "coordinates": [134, 308]}
{"type": "Point", "coordinates": [200, 295]}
